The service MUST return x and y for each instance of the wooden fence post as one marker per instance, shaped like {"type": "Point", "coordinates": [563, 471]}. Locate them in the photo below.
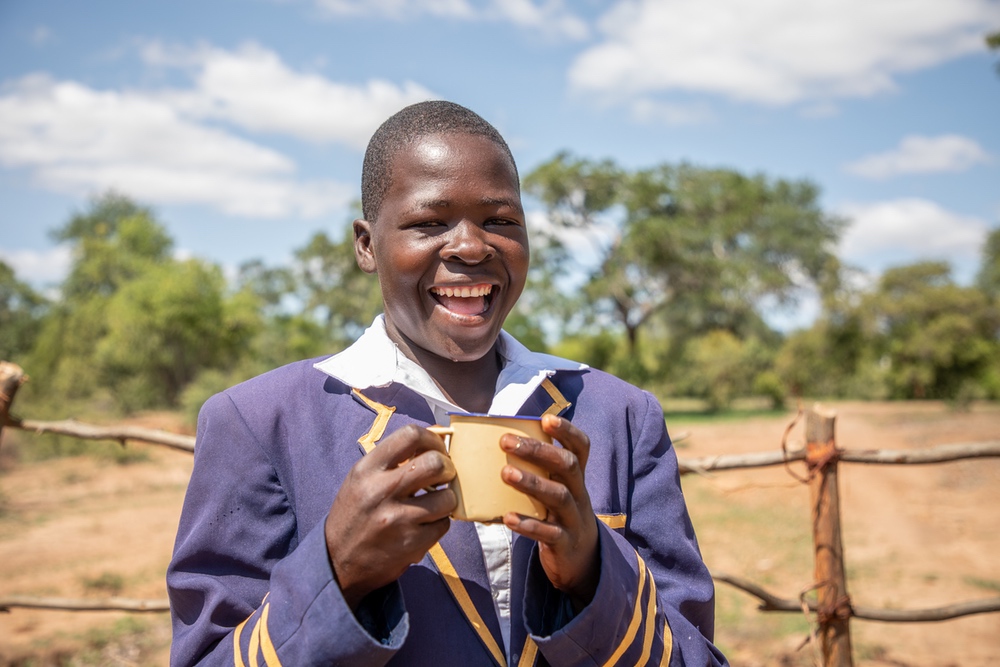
{"type": "Point", "coordinates": [833, 603]}
{"type": "Point", "coordinates": [11, 377]}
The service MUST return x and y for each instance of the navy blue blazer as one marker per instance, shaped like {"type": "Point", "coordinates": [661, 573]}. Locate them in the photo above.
{"type": "Point", "coordinates": [250, 581]}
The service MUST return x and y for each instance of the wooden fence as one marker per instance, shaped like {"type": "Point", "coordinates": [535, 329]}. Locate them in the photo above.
{"type": "Point", "coordinates": [833, 608]}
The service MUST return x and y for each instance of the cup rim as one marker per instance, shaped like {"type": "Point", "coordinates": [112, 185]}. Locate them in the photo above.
{"type": "Point", "coordinates": [484, 414]}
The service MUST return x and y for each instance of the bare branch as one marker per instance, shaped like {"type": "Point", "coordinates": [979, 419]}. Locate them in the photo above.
{"type": "Point", "coordinates": [929, 615]}
{"type": "Point", "coordinates": [771, 602]}
{"type": "Point", "coordinates": [939, 454]}
{"type": "Point", "coordinates": [82, 604]}
{"type": "Point", "coordinates": [738, 461]}
{"type": "Point", "coordinates": [84, 431]}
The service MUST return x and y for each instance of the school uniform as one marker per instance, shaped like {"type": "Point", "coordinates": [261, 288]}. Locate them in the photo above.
{"type": "Point", "coordinates": [250, 582]}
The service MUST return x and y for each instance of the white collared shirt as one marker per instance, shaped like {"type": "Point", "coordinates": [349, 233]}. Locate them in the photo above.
{"type": "Point", "coordinates": [375, 361]}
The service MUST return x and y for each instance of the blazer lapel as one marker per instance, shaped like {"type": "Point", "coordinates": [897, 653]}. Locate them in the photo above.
{"type": "Point", "coordinates": [458, 557]}
{"type": "Point", "coordinates": [522, 649]}
{"type": "Point", "coordinates": [393, 407]}
{"type": "Point", "coordinates": [546, 400]}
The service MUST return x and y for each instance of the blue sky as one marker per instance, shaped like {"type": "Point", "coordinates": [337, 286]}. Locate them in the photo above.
{"type": "Point", "coordinates": [242, 123]}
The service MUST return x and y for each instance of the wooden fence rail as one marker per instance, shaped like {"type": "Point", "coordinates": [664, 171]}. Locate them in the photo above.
{"type": "Point", "coordinates": [833, 606]}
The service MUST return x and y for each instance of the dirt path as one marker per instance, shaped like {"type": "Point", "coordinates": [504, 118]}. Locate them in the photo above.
{"type": "Point", "coordinates": [915, 536]}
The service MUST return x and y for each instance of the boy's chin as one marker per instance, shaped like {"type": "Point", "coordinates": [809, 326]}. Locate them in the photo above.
{"type": "Point", "coordinates": [466, 345]}
{"type": "Point", "coordinates": [448, 339]}
{"type": "Point", "coordinates": [463, 350]}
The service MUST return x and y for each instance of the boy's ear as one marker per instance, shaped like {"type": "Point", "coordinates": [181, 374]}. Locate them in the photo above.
{"type": "Point", "coordinates": [363, 251]}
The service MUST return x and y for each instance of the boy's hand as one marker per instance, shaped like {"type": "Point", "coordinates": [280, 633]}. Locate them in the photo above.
{"type": "Point", "coordinates": [376, 527]}
{"type": "Point", "coordinates": [567, 538]}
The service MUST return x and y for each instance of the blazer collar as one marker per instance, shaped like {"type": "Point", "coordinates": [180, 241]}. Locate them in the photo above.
{"type": "Point", "coordinates": [374, 363]}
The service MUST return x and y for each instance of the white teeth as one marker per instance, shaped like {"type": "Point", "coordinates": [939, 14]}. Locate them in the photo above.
{"type": "Point", "coordinates": [464, 292]}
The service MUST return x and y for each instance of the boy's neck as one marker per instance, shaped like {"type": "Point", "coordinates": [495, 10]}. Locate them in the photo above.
{"type": "Point", "coordinates": [468, 384]}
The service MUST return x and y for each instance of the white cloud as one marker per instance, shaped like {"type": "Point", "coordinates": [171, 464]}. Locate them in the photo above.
{"type": "Point", "coordinates": [776, 52]}
{"type": "Point", "coordinates": [78, 140]}
{"type": "Point", "coordinates": [39, 268]}
{"type": "Point", "coordinates": [916, 154]}
{"type": "Point", "coordinates": [901, 231]}
{"type": "Point", "coordinates": [254, 89]}
{"type": "Point", "coordinates": [548, 16]}
{"type": "Point", "coordinates": [158, 145]}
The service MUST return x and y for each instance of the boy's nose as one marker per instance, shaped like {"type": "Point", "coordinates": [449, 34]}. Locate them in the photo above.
{"type": "Point", "coordinates": [467, 243]}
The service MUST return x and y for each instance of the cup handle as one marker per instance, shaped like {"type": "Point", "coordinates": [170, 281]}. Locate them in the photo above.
{"type": "Point", "coordinates": [445, 433]}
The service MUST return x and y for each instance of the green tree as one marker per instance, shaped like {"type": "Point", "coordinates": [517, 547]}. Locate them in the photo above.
{"type": "Point", "coordinates": [719, 367]}
{"type": "Point", "coordinates": [113, 242]}
{"type": "Point", "coordinates": [988, 278]}
{"type": "Point", "coordinates": [270, 286]}
{"type": "Point", "coordinates": [133, 321]}
{"type": "Point", "coordinates": [21, 312]}
{"type": "Point", "coordinates": [342, 297]}
{"type": "Point", "coordinates": [834, 358]}
{"type": "Point", "coordinates": [936, 338]}
{"type": "Point", "coordinates": [720, 243]}
{"type": "Point", "coordinates": [697, 249]}
{"type": "Point", "coordinates": [575, 190]}
{"type": "Point", "coordinates": [165, 327]}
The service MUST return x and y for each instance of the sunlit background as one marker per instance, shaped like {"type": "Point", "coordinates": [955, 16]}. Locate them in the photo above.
{"type": "Point", "coordinates": [243, 123]}
{"type": "Point", "coordinates": [759, 203]}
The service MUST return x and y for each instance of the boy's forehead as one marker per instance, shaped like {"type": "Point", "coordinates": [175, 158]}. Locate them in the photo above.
{"type": "Point", "coordinates": [444, 148]}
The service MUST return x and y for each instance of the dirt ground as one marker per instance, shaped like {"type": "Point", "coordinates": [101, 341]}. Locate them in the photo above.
{"type": "Point", "coordinates": [915, 537]}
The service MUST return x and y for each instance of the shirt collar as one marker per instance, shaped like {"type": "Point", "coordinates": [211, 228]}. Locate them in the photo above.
{"type": "Point", "coordinates": [375, 361]}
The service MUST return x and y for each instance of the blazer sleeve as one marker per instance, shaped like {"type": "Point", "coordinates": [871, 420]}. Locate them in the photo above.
{"type": "Point", "coordinates": [244, 589]}
{"type": "Point", "coordinates": [655, 601]}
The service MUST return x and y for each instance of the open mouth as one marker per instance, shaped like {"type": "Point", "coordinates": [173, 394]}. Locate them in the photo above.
{"type": "Point", "coordinates": [464, 299]}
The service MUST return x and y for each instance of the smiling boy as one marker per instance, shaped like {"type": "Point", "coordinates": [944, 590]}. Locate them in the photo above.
{"type": "Point", "coordinates": [307, 536]}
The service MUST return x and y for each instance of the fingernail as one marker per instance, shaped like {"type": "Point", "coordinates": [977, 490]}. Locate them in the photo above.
{"type": "Point", "coordinates": [505, 443]}
{"type": "Point", "coordinates": [513, 474]}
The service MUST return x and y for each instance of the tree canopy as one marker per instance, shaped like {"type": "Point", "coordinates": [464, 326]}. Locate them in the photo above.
{"type": "Point", "coordinates": [663, 275]}
{"type": "Point", "coordinates": [21, 311]}
{"type": "Point", "coordinates": [692, 250]}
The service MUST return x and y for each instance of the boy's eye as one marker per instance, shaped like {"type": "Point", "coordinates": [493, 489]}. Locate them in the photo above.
{"type": "Point", "coordinates": [424, 224]}
{"type": "Point", "coordinates": [501, 221]}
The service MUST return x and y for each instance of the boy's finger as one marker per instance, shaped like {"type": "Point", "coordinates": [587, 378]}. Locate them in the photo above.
{"type": "Point", "coordinates": [544, 532]}
{"type": "Point", "coordinates": [404, 444]}
{"type": "Point", "coordinates": [427, 469]}
{"type": "Point", "coordinates": [433, 506]}
{"type": "Point", "coordinates": [569, 436]}
{"type": "Point", "coordinates": [559, 462]}
{"type": "Point", "coordinates": [555, 496]}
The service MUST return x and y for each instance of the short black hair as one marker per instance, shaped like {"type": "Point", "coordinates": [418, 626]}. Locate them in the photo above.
{"type": "Point", "coordinates": [406, 126]}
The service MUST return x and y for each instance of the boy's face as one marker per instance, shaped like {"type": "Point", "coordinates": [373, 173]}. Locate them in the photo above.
{"type": "Point", "coordinates": [450, 245]}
